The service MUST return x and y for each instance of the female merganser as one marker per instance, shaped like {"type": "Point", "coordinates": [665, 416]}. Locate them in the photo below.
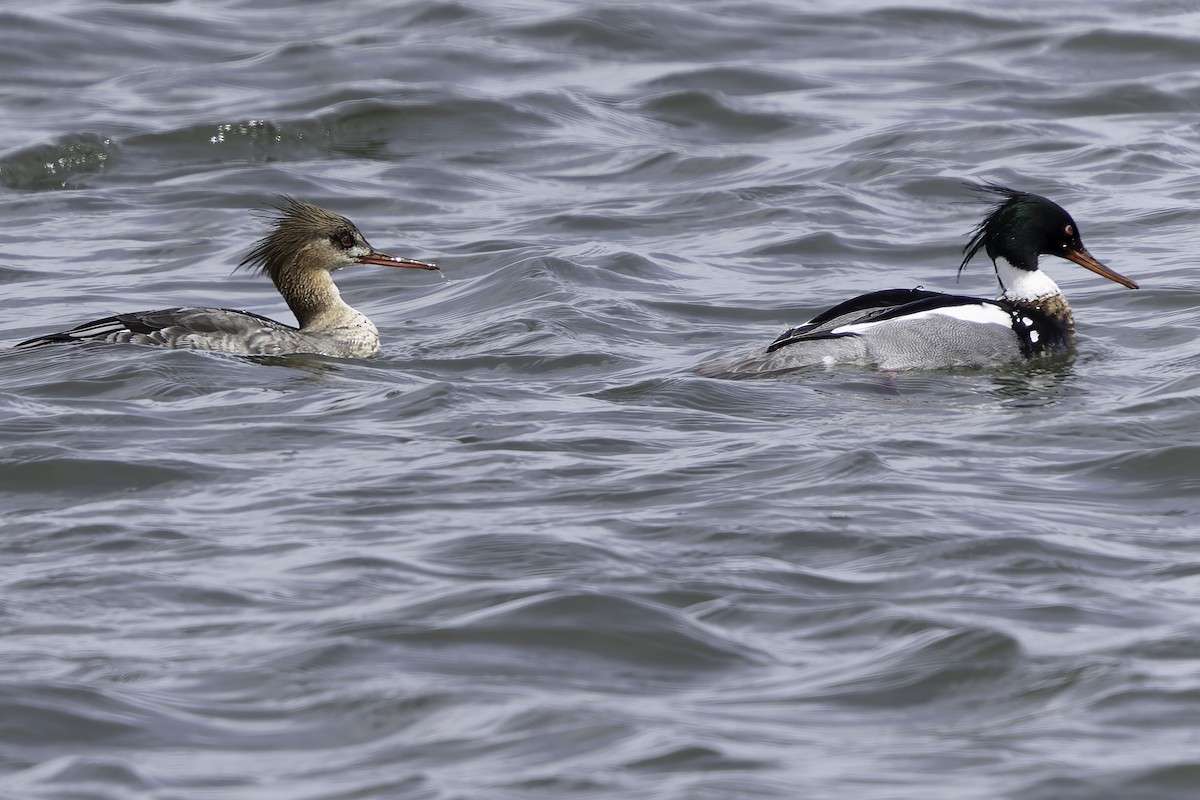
{"type": "Point", "coordinates": [898, 329]}
{"type": "Point", "coordinates": [300, 254]}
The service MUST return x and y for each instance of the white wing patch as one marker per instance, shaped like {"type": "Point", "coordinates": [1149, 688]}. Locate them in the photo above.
{"type": "Point", "coordinates": [98, 329]}
{"type": "Point", "coordinates": [978, 314]}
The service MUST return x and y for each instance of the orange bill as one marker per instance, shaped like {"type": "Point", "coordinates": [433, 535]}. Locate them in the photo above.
{"type": "Point", "coordinates": [1085, 259]}
{"type": "Point", "coordinates": [385, 260]}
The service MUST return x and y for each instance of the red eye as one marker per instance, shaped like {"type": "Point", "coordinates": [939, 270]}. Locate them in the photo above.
{"type": "Point", "coordinates": [347, 240]}
{"type": "Point", "coordinates": [1069, 230]}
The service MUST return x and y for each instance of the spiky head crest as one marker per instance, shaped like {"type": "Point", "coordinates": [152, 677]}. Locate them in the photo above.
{"type": "Point", "coordinates": [1020, 227]}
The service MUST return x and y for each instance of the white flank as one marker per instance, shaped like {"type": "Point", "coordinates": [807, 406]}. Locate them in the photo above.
{"type": "Point", "coordinates": [1021, 284]}
{"type": "Point", "coordinates": [977, 313]}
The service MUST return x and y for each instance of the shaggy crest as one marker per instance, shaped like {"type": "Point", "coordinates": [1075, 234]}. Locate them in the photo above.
{"type": "Point", "coordinates": [1021, 227]}
{"type": "Point", "coordinates": [295, 227]}
{"type": "Point", "coordinates": [985, 233]}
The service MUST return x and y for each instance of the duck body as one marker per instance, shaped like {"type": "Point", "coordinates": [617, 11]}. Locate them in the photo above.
{"type": "Point", "coordinates": [306, 245]}
{"type": "Point", "coordinates": [916, 329]}
{"type": "Point", "coordinates": [907, 329]}
{"type": "Point", "coordinates": [221, 330]}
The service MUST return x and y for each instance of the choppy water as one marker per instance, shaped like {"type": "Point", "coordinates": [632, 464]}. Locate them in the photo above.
{"type": "Point", "coordinates": [526, 553]}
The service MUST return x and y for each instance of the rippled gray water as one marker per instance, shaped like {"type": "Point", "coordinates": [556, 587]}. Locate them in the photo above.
{"type": "Point", "coordinates": [527, 553]}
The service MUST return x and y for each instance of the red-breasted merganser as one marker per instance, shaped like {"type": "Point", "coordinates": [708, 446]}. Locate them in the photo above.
{"type": "Point", "coordinates": [305, 246]}
{"type": "Point", "coordinates": [898, 329]}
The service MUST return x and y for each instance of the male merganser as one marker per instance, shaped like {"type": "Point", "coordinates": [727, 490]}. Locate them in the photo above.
{"type": "Point", "coordinates": [300, 254]}
{"type": "Point", "coordinates": [899, 329]}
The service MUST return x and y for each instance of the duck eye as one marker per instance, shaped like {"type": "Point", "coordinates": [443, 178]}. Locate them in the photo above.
{"type": "Point", "coordinates": [1069, 230]}
{"type": "Point", "coordinates": [343, 238]}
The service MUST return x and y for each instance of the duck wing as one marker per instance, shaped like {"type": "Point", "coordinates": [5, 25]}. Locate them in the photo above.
{"type": "Point", "coordinates": [218, 329]}
{"type": "Point", "coordinates": [878, 306]}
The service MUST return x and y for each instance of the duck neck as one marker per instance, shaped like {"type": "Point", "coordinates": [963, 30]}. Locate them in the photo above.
{"type": "Point", "coordinates": [314, 299]}
{"type": "Point", "coordinates": [1034, 289]}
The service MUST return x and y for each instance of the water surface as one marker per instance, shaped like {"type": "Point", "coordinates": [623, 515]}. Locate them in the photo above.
{"type": "Point", "coordinates": [526, 552]}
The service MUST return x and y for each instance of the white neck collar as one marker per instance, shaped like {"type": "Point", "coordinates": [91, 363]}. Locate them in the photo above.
{"type": "Point", "coordinates": [1021, 284]}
